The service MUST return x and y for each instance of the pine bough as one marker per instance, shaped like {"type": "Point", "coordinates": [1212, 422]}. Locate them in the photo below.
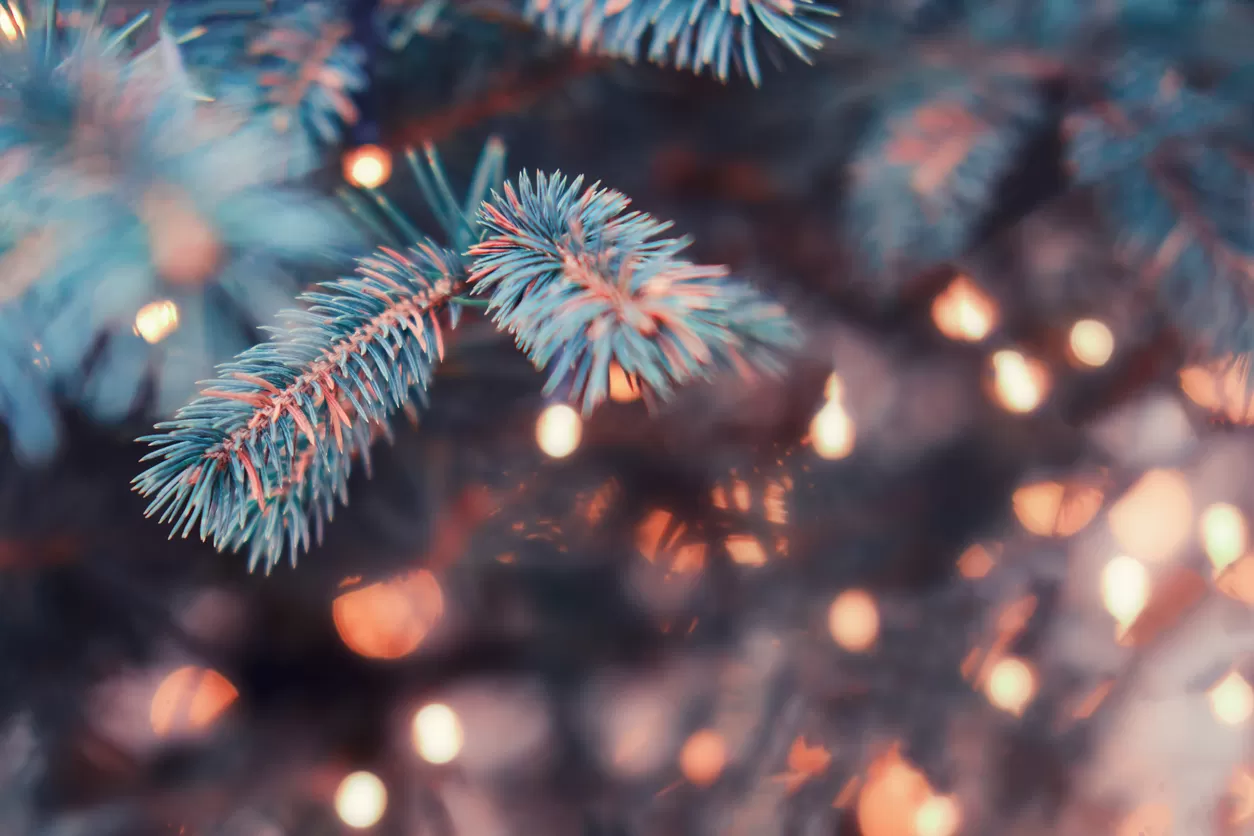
{"type": "Point", "coordinates": [263, 456]}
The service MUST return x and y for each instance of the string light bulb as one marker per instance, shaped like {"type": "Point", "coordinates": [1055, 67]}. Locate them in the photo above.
{"type": "Point", "coordinates": [834, 388]}
{"type": "Point", "coordinates": [559, 430]}
{"type": "Point", "coordinates": [1125, 589]}
{"type": "Point", "coordinates": [1020, 383]}
{"type": "Point", "coordinates": [1225, 535]}
{"type": "Point", "coordinates": [938, 816]}
{"type": "Point", "coordinates": [361, 800]}
{"type": "Point", "coordinates": [1232, 700]}
{"type": "Point", "coordinates": [438, 733]}
{"type": "Point", "coordinates": [1011, 685]}
{"type": "Point", "coordinates": [963, 312]}
{"type": "Point", "coordinates": [703, 757]}
{"type": "Point", "coordinates": [156, 321]}
{"type": "Point", "coordinates": [368, 166]}
{"type": "Point", "coordinates": [832, 432]}
{"type": "Point", "coordinates": [1091, 342]}
{"type": "Point", "coordinates": [854, 620]}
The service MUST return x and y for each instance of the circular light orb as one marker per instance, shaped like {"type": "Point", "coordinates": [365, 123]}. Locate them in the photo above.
{"type": "Point", "coordinates": [854, 620]}
{"type": "Point", "coordinates": [361, 800]}
{"type": "Point", "coordinates": [559, 431]}
{"type": "Point", "coordinates": [438, 733]}
{"type": "Point", "coordinates": [368, 166]}
{"type": "Point", "coordinates": [1091, 342]}
{"type": "Point", "coordinates": [703, 757]}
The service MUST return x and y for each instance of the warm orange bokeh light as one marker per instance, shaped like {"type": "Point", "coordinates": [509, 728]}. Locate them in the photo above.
{"type": "Point", "coordinates": [437, 733]}
{"type": "Point", "coordinates": [368, 166]}
{"type": "Point", "coordinates": [976, 562]}
{"type": "Point", "coordinates": [703, 757]}
{"type": "Point", "coordinates": [1154, 519]}
{"type": "Point", "coordinates": [360, 800]}
{"type": "Point", "coordinates": [622, 388]}
{"type": "Point", "coordinates": [156, 320]}
{"type": "Point", "coordinates": [834, 388]}
{"type": "Point", "coordinates": [746, 550]}
{"type": "Point", "coordinates": [854, 620]}
{"type": "Point", "coordinates": [891, 797]}
{"type": "Point", "coordinates": [1147, 820]}
{"type": "Point", "coordinates": [190, 699]}
{"type": "Point", "coordinates": [1011, 685]}
{"type": "Point", "coordinates": [1091, 343]}
{"type": "Point", "coordinates": [1222, 389]}
{"type": "Point", "coordinates": [1125, 589]}
{"type": "Point", "coordinates": [389, 620]}
{"type": "Point", "coordinates": [938, 816]}
{"type": "Point", "coordinates": [559, 430]}
{"type": "Point", "coordinates": [1051, 509]}
{"type": "Point", "coordinates": [832, 432]}
{"type": "Point", "coordinates": [1225, 535]}
{"type": "Point", "coordinates": [1232, 700]}
{"type": "Point", "coordinates": [1019, 383]}
{"type": "Point", "coordinates": [11, 21]}
{"type": "Point", "coordinates": [963, 312]}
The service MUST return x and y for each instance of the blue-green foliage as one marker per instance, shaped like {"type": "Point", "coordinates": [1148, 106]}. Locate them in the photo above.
{"type": "Point", "coordinates": [687, 34]}
{"type": "Point", "coordinates": [583, 284]}
{"type": "Point", "coordinates": [263, 456]}
{"type": "Point", "coordinates": [123, 190]}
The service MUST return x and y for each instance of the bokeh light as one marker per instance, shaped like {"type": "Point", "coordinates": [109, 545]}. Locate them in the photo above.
{"type": "Point", "coordinates": [1020, 383]}
{"type": "Point", "coordinates": [832, 432]}
{"type": "Point", "coordinates": [361, 800]}
{"type": "Point", "coordinates": [1222, 389]}
{"type": "Point", "coordinates": [1091, 343]}
{"type": "Point", "coordinates": [389, 620]}
{"type": "Point", "coordinates": [156, 320]}
{"type": "Point", "coordinates": [189, 700]}
{"type": "Point", "coordinates": [1052, 509]}
{"type": "Point", "coordinates": [438, 733]}
{"type": "Point", "coordinates": [368, 166]}
{"type": "Point", "coordinates": [703, 757]}
{"type": "Point", "coordinates": [1232, 700]}
{"type": "Point", "coordinates": [622, 388]}
{"type": "Point", "coordinates": [1011, 685]}
{"type": "Point", "coordinates": [938, 816]}
{"type": "Point", "coordinates": [1225, 534]}
{"type": "Point", "coordinates": [559, 430]}
{"type": "Point", "coordinates": [963, 312]}
{"type": "Point", "coordinates": [854, 620]}
{"type": "Point", "coordinates": [1125, 589]}
{"type": "Point", "coordinates": [11, 21]}
{"type": "Point", "coordinates": [1154, 519]}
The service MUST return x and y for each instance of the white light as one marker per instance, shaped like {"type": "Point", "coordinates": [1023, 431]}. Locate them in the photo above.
{"type": "Point", "coordinates": [361, 800]}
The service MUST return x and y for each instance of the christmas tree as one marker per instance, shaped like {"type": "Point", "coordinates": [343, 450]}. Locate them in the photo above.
{"type": "Point", "coordinates": [626, 417]}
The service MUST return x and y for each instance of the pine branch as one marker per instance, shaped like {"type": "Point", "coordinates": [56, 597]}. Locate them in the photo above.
{"type": "Point", "coordinates": [272, 442]}
{"type": "Point", "coordinates": [696, 35]}
{"type": "Point", "coordinates": [582, 284]}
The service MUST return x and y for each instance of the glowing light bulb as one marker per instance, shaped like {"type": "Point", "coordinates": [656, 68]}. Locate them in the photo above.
{"type": "Point", "coordinates": [361, 800]}
{"type": "Point", "coordinates": [938, 816]}
{"type": "Point", "coordinates": [559, 430]}
{"type": "Point", "coordinates": [368, 166]}
{"type": "Point", "coordinates": [703, 757]}
{"type": "Point", "coordinates": [1225, 535]}
{"type": "Point", "coordinates": [963, 312]}
{"type": "Point", "coordinates": [437, 733]}
{"type": "Point", "coordinates": [1092, 343]}
{"type": "Point", "coordinates": [1154, 519]}
{"type": "Point", "coordinates": [1019, 382]}
{"type": "Point", "coordinates": [1232, 700]}
{"type": "Point", "coordinates": [156, 321]}
{"type": "Point", "coordinates": [832, 432]}
{"type": "Point", "coordinates": [1011, 685]}
{"type": "Point", "coordinates": [854, 620]}
{"type": "Point", "coordinates": [1125, 589]}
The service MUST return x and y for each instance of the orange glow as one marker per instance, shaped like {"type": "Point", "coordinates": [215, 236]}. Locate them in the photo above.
{"type": "Point", "coordinates": [361, 800]}
{"type": "Point", "coordinates": [805, 762]}
{"type": "Point", "coordinates": [368, 166]}
{"type": "Point", "coordinates": [11, 22]}
{"type": "Point", "coordinates": [388, 620]}
{"type": "Point", "coordinates": [559, 430]}
{"type": "Point", "coordinates": [1154, 519]}
{"type": "Point", "coordinates": [156, 320]}
{"type": "Point", "coordinates": [1020, 383]}
{"type": "Point", "coordinates": [1225, 535]}
{"type": "Point", "coordinates": [746, 550]}
{"type": "Point", "coordinates": [1011, 685]}
{"type": "Point", "coordinates": [1237, 581]}
{"type": "Point", "coordinates": [437, 733]}
{"type": "Point", "coordinates": [703, 757]}
{"type": "Point", "coordinates": [1125, 589]}
{"type": "Point", "coordinates": [976, 562]}
{"type": "Point", "coordinates": [1222, 389]}
{"type": "Point", "coordinates": [1051, 509]}
{"type": "Point", "coordinates": [854, 620]}
{"type": "Point", "coordinates": [1092, 344]}
{"type": "Point", "coordinates": [622, 388]}
{"type": "Point", "coordinates": [1147, 820]}
{"type": "Point", "coordinates": [891, 798]}
{"type": "Point", "coordinates": [963, 312]}
{"type": "Point", "coordinates": [938, 816]}
{"type": "Point", "coordinates": [834, 388]}
{"type": "Point", "coordinates": [190, 699]}
{"type": "Point", "coordinates": [1232, 700]}
{"type": "Point", "coordinates": [832, 432]}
